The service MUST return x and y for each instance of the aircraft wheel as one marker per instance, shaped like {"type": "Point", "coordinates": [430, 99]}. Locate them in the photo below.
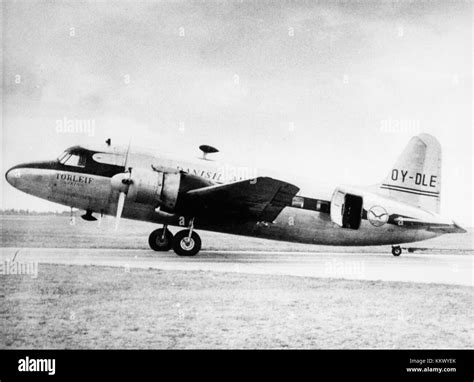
{"type": "Point", "coordinates": [185, 246]}
{"type": "Point", "coordinates": [159, 243]}
{"type": "Point", "coordinates": [396, 251]}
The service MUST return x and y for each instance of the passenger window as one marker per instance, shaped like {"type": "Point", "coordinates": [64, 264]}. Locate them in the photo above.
{"type": "Point", "coordinates": [298, 202]}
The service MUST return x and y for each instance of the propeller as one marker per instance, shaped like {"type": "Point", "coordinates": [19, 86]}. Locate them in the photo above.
{"type": "Point", "coordinates": [120, 204]}
{"type": "Point", "coordinates": [122, 184]}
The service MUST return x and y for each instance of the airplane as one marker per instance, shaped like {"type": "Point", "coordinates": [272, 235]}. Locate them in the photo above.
{"type": "Point", "coordinates": [197, 195]}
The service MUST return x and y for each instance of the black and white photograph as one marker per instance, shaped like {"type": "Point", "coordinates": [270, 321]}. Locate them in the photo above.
{"type": "Point", "coordinates": [237, 175]}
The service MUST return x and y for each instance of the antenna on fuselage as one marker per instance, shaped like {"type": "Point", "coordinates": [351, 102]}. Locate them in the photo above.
{"type": "Point", "coordinates": [206, 149]}
{"type": "Point", "coordinates": [108, 142]}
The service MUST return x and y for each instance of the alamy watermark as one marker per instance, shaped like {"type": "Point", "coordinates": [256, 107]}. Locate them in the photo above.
{"type": "Point", "coordinates": [19, 268]}
{"type": "Point", "coordinates": [339, 268]}
{"type": "Point", "coordinates": [75, 126]}
{"type": "Point", "coordinates": [409, 126]}
{"type": "Point", "coordinates": [233, 173]}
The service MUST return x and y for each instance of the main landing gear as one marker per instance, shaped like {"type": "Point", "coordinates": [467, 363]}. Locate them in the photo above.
{"type": "Point", "coordinates": [396, 250]}
{"type": "Point", "coordinates": [161, 239]}
{"type": "Point", "coordinates": [184, 243]}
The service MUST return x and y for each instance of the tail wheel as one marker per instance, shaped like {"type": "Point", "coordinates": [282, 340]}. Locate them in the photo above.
{"type": "Point", "coordinates": [396, 251]}
{"type": "Point", "coordinates": [159, 241]}
{"type": "Point", "coordinates": [184, 245]}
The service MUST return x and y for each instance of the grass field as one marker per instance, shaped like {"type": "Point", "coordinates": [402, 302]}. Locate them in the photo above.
{"type": "Point", "coordinates": [72, 306]}
{"type": "Point", "coordinates": [104, 307]}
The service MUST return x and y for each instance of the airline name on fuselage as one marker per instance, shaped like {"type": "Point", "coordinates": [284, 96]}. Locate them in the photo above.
{"type": "Point", "coordinates": [224, 173]}
{"type": "Point", "coordinates": [74, 178]}
{"type": "Point", "coordinates": [205, 174]}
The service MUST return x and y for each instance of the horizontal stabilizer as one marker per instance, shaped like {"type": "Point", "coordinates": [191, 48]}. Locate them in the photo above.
{"type": "Point", "coordinates": [433, 226]}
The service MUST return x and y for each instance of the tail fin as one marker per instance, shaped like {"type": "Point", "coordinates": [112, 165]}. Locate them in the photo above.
{"type": "Point", "coordinates": [415, 178]}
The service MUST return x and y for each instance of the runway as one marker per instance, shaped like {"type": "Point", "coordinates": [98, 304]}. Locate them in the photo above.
{"type": "Point", "coordinates": [420, 268]}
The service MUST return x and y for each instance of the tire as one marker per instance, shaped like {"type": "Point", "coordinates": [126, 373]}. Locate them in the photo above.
{"type": "Point", "coordinates": [182, 248]}
{"type": "Point", "coordinates": [158, 243]}
{"type": "Point", "coordinates": [396, 251]}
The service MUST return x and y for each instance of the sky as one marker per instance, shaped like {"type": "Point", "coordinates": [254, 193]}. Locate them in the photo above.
{"type": "Point", "coordinates": [321, 93]}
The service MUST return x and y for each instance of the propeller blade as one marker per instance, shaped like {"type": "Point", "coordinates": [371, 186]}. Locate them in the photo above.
{"type": "Point", "coordinates": [101, 216]}
{"type": "Point", "coordinates": [126, 154]}
{"type": "Point", "coordinates": [120, 205]}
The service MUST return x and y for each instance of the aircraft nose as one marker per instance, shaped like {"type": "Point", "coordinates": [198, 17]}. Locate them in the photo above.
{"type": "Point", "coordinates": [18, 175]}
{"type": "Point", "coordinates": [12, 175]}
{"type": "Point", "coordinates": [32, 178]}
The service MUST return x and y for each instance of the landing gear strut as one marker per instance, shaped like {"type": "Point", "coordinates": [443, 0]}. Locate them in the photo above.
{"type": "Point", "coordinates": [396, 250]}
{"type": "Point", "coordinates": [187, 242]}
{"type": "Point", "coordinates": [161, 239]}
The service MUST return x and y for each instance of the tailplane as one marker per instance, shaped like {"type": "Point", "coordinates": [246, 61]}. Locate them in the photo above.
{"type": "Point", "coordinates": [415, 178]}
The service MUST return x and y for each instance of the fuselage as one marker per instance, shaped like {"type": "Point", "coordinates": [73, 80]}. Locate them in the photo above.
{"type": "Point", "coordinates": [81, 178]}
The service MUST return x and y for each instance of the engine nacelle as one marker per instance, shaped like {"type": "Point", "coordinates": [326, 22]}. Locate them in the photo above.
{"type": "Point", "coordinates": [151, 187]}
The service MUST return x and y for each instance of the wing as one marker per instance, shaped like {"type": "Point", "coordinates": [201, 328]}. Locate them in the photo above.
{"type": "Point", "coordinates": [259, 199]}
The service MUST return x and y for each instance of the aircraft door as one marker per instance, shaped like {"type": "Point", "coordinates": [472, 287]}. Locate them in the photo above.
{"type": "Point", "coordinates": [346, 209]}
{"type": "Point", "coordinates": [337, 204]}
{"type": "Point", "coordinates": [352, 211]}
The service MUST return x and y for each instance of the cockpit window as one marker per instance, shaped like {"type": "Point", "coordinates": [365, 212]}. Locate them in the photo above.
{"type": "Point", "coordinates": [75, 160]}
{"type": "Point", "coordinates": [63, 157]}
